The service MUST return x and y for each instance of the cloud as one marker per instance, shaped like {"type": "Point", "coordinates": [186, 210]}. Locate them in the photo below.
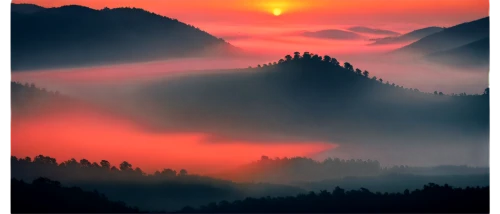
{"type": "Point", "coordinates": [298, 104]}
{"type": "Point", "coordinates": [367, 30]}
{"type": "Point", "coordinates": [333, 34]}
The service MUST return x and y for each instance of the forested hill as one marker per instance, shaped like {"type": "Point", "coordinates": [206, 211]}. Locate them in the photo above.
{"type": "Point", "coordinates": [315, 97]}
{"type": "Point", "coordinates": [73, 35]}
{"type": "Point", "coordinates": [47, 196]}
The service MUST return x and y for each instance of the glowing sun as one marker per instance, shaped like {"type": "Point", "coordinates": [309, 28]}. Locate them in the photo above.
{"type": "Point", "coordinates": [277, 11]}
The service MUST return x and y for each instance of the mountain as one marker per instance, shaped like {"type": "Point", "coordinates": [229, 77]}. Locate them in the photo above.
{"type": "Point", "coordinates": [361, 29]}
{"type": "Point", "coordinates": [474, 54]}
{"type": "Point", "coordinates": [432, 198]}
{"type": "Point", "coordinates": [72, 35]}
{"type": "Point", "coordinates": [311, 98]}
{"type": "Point", "coordinates": [46, 196]}
{"type": "Point", "coordinates": [333, 34]}
{"type": "Point", "coordinates": [408, 37]}
{"type": "Point", "coordinates": [25, 8]}
{"type": "Point", "coordinates": [166, 190]}
{"type": "Point", "coordinates": [449, 38]}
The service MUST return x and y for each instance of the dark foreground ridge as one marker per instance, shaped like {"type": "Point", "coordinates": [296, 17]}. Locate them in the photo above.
{"type": "Point", "coordinates": [169, 189]}
{"type": "Point", "coordinates": [431, 199]}
{"type": "Point", "coordinates": [44, 195]}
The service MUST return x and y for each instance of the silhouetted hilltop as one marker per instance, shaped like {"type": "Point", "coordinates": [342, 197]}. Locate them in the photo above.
{"type": "Point", "coordinates": [361, 29]}
{"type": "Point", "coordinates": [474, 54]}
{"type": "Point", "coordinates": [29, 99]}
{"type": "Point", "coordinates": [303, 169]}
{"type": "Point", "coordinates": [397, 182]}
{"type": "Point", "coordinates": [46, 196]}
{"type": "Point", "coordinates": [333, 34]}
{"type": "Point", "coordinates": [25, 8]}
{"type": "Point", "coordinates": [166, 189]}
{"type": "Point", "coordinates": [449, 38]}
{"type": "Point", "coordinates": [431, 198]}
{"type": "Point", "coordinates": [408, 37]}
{"type": "Point", "coordinates": [73, 35]}
{"type": "Point", "coordinates": [306, 97]}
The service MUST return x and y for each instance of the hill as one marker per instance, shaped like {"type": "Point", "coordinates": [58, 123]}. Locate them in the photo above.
{"type": "Point", "coordinates": [167, 189]}
{"type": "Point", "coordinates": [408, 37]}
{"type": "Point", "coordinates": [305, 170]}
{"type": "Point", "coordinates": [431, 198]}
{"type": "Point", "coordinates": [28, 99]}
{"type": "Point", "coordinates": [449, 38]}
{"type": "Point", "coordinates": [46, 196]}
{"type": "Point", "coordinates": [474, 54]}
{"type": "Point", "coordinates": [311, 98]}
{"type": "Point", "coordinates": [333, 34]}
{"type": "Point", "coordinates": [367, 30]}
{"type": "Point", "coordinates": [73, 35]}
{"type": "Point", "coordinates": [25, 8]}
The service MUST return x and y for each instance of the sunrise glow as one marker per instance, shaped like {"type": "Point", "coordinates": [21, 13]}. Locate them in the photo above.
{"type": "Point", "coordinates": [277, 11]}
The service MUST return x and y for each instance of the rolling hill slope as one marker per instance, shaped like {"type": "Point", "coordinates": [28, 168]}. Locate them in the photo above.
{"type": "Point", "coordinates": [449, 38]}
{"type": "Point", "coordinates": [72, 36]}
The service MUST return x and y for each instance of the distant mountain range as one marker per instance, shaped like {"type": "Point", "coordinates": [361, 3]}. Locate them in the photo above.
{"type": "Point", "coordinates": [408, 37]}
{"type": "Point", "coordinates": [361, 29]}
{"type": "Point", "coordinates": [25, 8]}
{"type": "Point", "coordinates": [470, 55]}
{"type": "Point", "coordinates": [76, 36]}
{"type": "Point", "coordinates": [333, 34]}
{"type": "Point", "coordinates": [449, 38]}
{"type": "Point", "coordinates": [466, 43]}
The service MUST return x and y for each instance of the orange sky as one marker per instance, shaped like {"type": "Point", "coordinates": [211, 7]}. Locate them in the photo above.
{"type": "Point", "coordinates": [204, 13]}
{"type": "Point", "coordinates": [95, 136]}
{"type": "Point", "coordinates": [117, 140]}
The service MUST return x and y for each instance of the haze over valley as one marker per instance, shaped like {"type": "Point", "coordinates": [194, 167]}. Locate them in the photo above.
{"type": "Point", "coordinates": [206, 109]}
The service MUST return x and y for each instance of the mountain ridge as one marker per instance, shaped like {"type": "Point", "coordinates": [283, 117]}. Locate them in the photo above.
{"type": "Point", "coordinates": [449, 38]}
{"type": "Point", "coordinates": [73, 36]}
{"type": "Point", "coordinates": [474, 54]}
{"type": "Point", "coordinates": [408, 37]}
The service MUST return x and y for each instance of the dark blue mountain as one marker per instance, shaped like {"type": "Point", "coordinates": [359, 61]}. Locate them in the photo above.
{"type": "Point", "coordinates": [449, 38]}
{"type": "Point", "coordinates": [408, 37]}
{"type": "Point", "coordinates": [474, 54]}
{"type": "Point", "coordinates": [72, 36]}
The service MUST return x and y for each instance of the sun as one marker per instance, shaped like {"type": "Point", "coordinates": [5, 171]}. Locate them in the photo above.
{"type": "Point", "coordinates": [277, 11]}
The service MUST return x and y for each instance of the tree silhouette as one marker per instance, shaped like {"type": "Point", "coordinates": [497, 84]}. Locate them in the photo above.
{"type": "Point", "coordinates": [296, 55]}
{"type": "Point", "coordinates": [125, 166]}
{"type": "Point", "coordinates": [348, 66]}
{"type": "Point", "coordinates": [366, 73]}
{"type": "Point", "coordinates": [183, 172]}
{"type": "Point", "coordinates": [327, 58]}
{"type": "Point", "coordinates": [335, 62]}
{"type": "Point", "coordinates": [431, 198]}
{"type": "Point", "coordinates": [306, 56]}
{"type": "Point", "coordinates": [47, 196]}
{"type": "Point", "coordinates": [288, 58]}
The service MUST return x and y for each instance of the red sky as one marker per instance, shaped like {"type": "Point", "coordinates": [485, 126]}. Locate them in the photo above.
{"type": "Point", "coordinates": [79, 133]}
{"type": "Point", "coordinates": [251, 25]}
{"type": "Point", "coordinates": [207, 14]}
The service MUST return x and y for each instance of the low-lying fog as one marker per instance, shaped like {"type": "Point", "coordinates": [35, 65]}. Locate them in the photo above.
{"type": "Point", "coordinates": [424, 76]}
{"type": "Point", "coordinates": [118, 86]}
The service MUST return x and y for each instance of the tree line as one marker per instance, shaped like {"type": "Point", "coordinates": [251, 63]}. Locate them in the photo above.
{"type": "Point", "coordinates": [274, 170]}
{"type": "Point", "coordinates": [45, 165]}
{"type": "Point", "coordinates": [315, 61]}
{"type": "Point", "coordinates": [47, 196]}
{"type": "Point", "coordinates": [431, 198]}
{"type": "Point", "coordinates": [289, 170]}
